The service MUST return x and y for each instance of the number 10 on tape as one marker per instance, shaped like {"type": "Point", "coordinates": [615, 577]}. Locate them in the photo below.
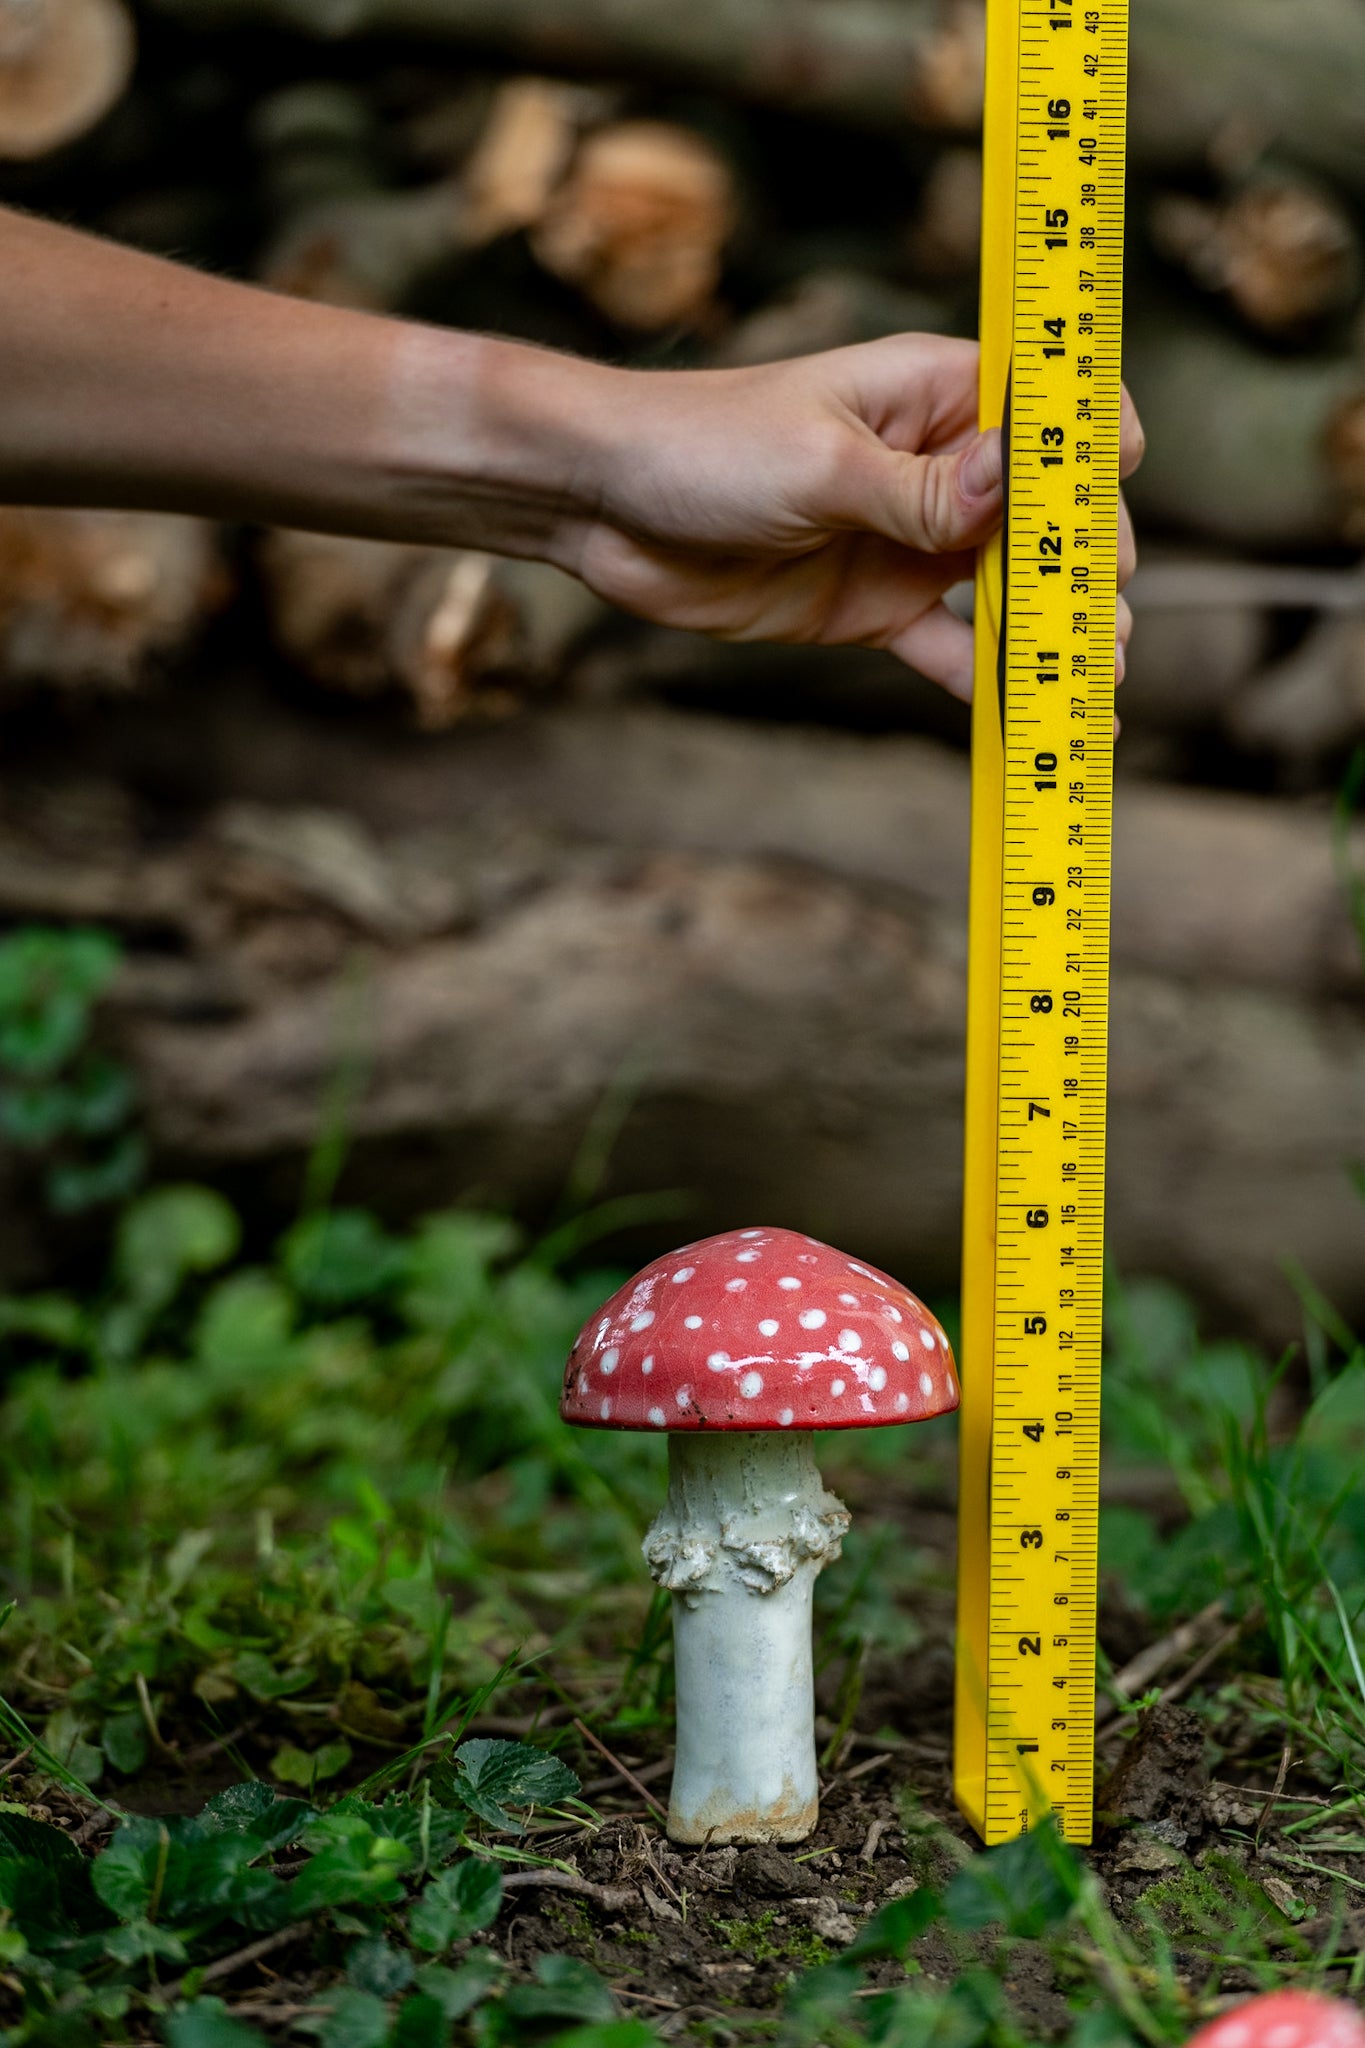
{"type": "Point", "coordinates": [1042, 726]}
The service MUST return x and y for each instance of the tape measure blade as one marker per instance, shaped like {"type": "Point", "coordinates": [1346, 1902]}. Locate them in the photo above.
{"type": "Point", "coordinates": [1038, 1011]}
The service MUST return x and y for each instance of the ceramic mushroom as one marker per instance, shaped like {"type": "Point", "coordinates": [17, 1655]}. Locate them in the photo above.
{"type": "Point", "coordinates": [740, 1346]}
{"type": "Point", "coordinates": [1285, 2019]}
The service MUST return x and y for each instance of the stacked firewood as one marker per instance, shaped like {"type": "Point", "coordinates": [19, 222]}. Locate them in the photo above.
{"type": "Point", "coordinates": [667, 186]}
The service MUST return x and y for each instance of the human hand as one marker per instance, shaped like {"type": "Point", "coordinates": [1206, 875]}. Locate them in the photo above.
{"type": "Point", "coordinates": [833, 499]}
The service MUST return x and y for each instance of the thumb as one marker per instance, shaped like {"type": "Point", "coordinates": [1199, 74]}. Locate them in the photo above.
{"type": "Point", "coordinates": [937, 503]}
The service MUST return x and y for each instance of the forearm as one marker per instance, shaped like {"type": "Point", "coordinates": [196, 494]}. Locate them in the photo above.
{"type": "Point", "coordinates": [126, 381]}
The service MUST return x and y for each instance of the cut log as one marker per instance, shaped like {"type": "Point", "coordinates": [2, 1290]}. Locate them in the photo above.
{"type": "Point", "coordinates": [63, 63]}
{"type": "Point", "coordinates": [640, 224]}
{"type": "Point", "coordinates": [1309, 709]}
{"type": "Point", "coordinates": [765, 929]}
{"type": "Point", "coordinates": [462, 634]}
{"type": "Point", "coordinates": [1281, 247]}
{"type": "Point", "coordinates": [865, 60]}
{"type": "Point", "coordinates": [99, 600]}
{"type": "Point", "coordinates": [796, 1053]}
{"type": "Point", "coordinates": [523, 153]}
{"type": "Point", "coordinates": [1253, 449]}
{"type": "Point", "coordinates": [829, 309]}
{"type": "Point", "coordinates": [944, 244]}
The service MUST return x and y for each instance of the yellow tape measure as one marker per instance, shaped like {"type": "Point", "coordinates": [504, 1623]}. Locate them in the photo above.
{"type": "Point", "coordinates": [1042, 756]}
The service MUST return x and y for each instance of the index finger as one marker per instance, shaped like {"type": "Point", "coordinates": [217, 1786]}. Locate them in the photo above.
{"type": "Point", "coordinates": [1132, 440]}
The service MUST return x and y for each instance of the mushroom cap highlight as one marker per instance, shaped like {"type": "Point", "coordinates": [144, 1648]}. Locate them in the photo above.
{"type": "Point", "coordinates": [1285, 2019]}
{"type": "Point", "coordinates": [759, 1329]}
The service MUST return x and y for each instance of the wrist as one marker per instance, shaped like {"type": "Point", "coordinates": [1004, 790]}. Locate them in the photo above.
{"type": "Point", "coordinates": [494, 444]}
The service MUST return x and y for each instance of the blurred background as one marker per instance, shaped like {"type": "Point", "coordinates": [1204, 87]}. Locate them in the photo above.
{"type": "Point", "coordinates": [426, 879]}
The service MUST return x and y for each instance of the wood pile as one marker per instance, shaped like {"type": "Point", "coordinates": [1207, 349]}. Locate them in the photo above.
{"type": "Point", "coordinates": [565, 846]}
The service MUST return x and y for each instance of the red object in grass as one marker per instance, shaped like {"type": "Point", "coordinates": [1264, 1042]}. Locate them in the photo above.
{"type": "Point", "coordinates": [1286, 2019]}
{"type": "Point", "coordinates": [759, 1329]}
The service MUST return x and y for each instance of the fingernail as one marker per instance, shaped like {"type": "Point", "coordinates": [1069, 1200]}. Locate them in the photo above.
{"type": "Point", "coordinates": [981, 467]}
{"type": "Point", "coordinates": [1120, 661]}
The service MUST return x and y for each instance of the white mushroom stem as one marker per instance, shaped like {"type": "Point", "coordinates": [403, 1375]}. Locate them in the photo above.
{"type": "Point", "coordinates": [745, 1531]}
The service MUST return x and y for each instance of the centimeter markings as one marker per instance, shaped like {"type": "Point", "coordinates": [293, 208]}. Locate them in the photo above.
{"type": "Point", "coordinates": [1056, 672]}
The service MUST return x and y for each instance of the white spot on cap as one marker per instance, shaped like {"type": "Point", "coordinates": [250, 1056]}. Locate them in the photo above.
{"type": "Point", "coordinates": [735, 1286]}
{"type": "Point", "coordinates": [785, 1418]}
{"type": "Point", "coordinates": [583, 1384]}
{"type": "Point", "coordinates": [849, 1300]}
{"type": "Point", "coordinates": [859, 1269]}
{"type": "Point", "coordinates": [606, 1410]}
{"type": "Point", "coordinates": [691, 1322]}
{"type": "Point", "coordinates": [751, 1386]}
{"type": "Point", "coordinates": [950, 1383]}
{"type": "Point", "coordinates": [610, 1360]}
{"type": "Point", "coordinates": [926, 1338]}
{"type": "Point", "coordinates": [1285, 2036]}
{"type": "Point", "coordinates": [836, 1387]}
{"type": "Point", "coordinates": [751, 1233]}
{"type": "Point", "coordinates": [1234, 2034]}
{"type": "Point", "coordinates": [788, 1281]}
{"type": "Point", "coordinates": [769, 1327]}
{"type": "Point", "coordinates": [683, 1273]}
{"type": "Point", "coordinates": [926, 1384]}
{"type": "Point", "coordinates": [891, 1310]}
{"type": "Point", "coordinates": [849, 1340]}
{"type": "Point", "coordinates": [942, 1340]}
{"type": "Point", "coordinates": [902, 1403]}
{"type": "Point", "coordinates": [683, 1396]}
{"type": "Point", "coordinates": [876, 1379]}
{"type": "Point", "coordinates": [647, 1363]}
{"type": "Point", "coordinates": [642, 1321]}
{"type": "Point", "coordinates": [812, 1318]}
{"type": "Point", "coordinates": [899, 1350]}
{"type": "Point", "coordinates": [657, 1417]}
{"type": "Point", "coordinates": [745, 1258]}
{"type": "Point", "coordinates": [719, 1361]}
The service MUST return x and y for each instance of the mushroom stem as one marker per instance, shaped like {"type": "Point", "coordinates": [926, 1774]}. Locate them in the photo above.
{"type": "Point", "coordinates": [745, 1531]}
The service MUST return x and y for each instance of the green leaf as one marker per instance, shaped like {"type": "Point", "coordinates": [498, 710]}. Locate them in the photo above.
{"type": "Point", "coordinates": [124, 1874]}
{"type": "Point", "coordinates": [461, 1901]}
{"type": "Point", "coordinates": [207, 2023]}
{"type": "Point", "coordinates": [107, 1178]}
{"type": "Point", "coordinates": [263, 1681]}
{"type": "Point", "coordinates": [166, 1235]}
{"type": "Point", "coordinates": [254, 1810]}
{"type": "Point", "coordinates": [565, 1989]}
{"type": "Point", "coordinates": [891, 1931]}
{"type": "Point", "coordinates": [245, 1325]}
{"type": "Point", "coordinates": [356, 2019]}
{"type": "Point", "coordinates": [351, 1865]}
{"type": "Point", "coordinates": [421, 2023]}
{"type": "Point", "coordinates": [140, 1941]}
{"type": "Point", "coordinates": [1026, 1886]}
{"type": "Point", "coordinates": [491, 1775]}
{"type": "Point", "coordinates": [378, 1967]}
{"type": "Point", "coordinates": [48, 981]}
{"type": "Point", "coordinates": [613, 2034]}
{"type": "Point", "coordinates": [294, 1766]}
{"type": "Point", "coordinates": [342, 1256]}
{"type": "Point", "coordinates": [123, 1738]}
{"type": "Point", "coordinates": [100, 1096]}
{"type": "Point", "coordinates": [459, 1991]}
{"type": "Point", "coordinates": [34, 1116]}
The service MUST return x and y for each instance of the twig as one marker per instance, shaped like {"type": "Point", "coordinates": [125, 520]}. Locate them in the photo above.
{"type": "Point", "coordinates": [1279, 1858]}
{"type": "Point", "coordinates": [646, 1998]}
{"type": "Point", "coordinates": [871, 1763]}
{"type": "Point", "coordinates": [254, 1952]}
{"type": "Point", "coordinates": [874, 1835]}
{"type": "Point", "coordinates": [144, 1700]}
{"type": "Point", "coordinates": [613, 1898]}
{"type": "Point", "coordinates": [208, 1749]}
{"type": "Point", "coordinates": [621, 1769]}
{"type": "Point", "coordinates": [1135, 1677]}
{"type": "Point", "coordinates": [7, 1770]}
{"type": "Point", "coordinates": [1272, 1796]}
{"type": "Point", "coordinates": [1216, 1649]}
{"type": "Point", "coordinates": [646, 1775]}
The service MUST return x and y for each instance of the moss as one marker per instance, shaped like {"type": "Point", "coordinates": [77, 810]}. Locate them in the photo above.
{"type": "Point", "coordinates": [764, 1941]}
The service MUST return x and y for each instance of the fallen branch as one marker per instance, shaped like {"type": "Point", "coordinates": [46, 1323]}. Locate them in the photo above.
{"type": "Point", "coordinates": [612, 1898]}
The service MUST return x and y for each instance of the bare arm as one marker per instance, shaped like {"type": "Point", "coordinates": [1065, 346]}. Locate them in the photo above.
{"type": "Point", "coordinates": [832, 499]}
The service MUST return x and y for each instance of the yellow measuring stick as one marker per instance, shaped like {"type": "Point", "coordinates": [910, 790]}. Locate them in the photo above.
{"type": "Point", "coordinates": [1042, 758]}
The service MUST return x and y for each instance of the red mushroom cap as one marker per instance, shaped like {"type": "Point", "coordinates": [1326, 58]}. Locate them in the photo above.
{"type": "Point", "coordinates": [1286, 2019]}
{"type": "Point", "coordinates": [759, 1329]}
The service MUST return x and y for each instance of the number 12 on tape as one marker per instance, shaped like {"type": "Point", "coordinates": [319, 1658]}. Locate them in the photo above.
{"type": "Point", "coordinates": [1042, 757]}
